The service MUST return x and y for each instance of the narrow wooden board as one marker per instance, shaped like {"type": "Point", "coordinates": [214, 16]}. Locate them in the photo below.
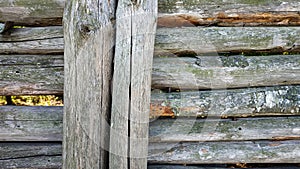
{"type": "Point", "coordinates": [31, 74]}
{"type": "Point", "coordinates": [19, 123]}
{"type": "Point", "coordinates": [32, 12]}
{"type": "Point", "coordinates": [175, 13]}
{"type": "Point", "coordinates": [246, 102]}
{"type": "Point", "coordinates": [225, 152]}
{"type": "Point", "coordinates": [43, 74]}
{"type": "Point", "coordinates": [30, 155]}
{"type": "Point", "coordinates": [220, 166]}
{"type": "Point", "coordinates": [225, 72]}
{"type": "Point", "coordinates": [197, 40]}
{"type": "Point", "coordinates": [195, 130]}
{"type": "Point", "coordinates": [30, 123]}
{"type": "Point", "coordinates": [190, 41]}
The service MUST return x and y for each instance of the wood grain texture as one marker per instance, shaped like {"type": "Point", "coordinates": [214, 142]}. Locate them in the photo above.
{"type": "Point", "coordinates": [175, 13]}
{"type": "Point", "coordinates": [89, 45]}
{"type": "Point", "coordinates": [135, 25]}
{"type": "Point", "coordinates": [197, 130]}
{"type": "Point", "coordinates": [227, 40]}
{"type": "Point", "coordinates": [221, 166]}
{"type": "Point", "coordinates": [223, 72]}
{"type": "Point", "coordinates": [172, 41]}
{"type": "Point", "coordinates": [32, 12]}
{"type": "Point", "coordinates": [30, 123]}
{"type": "Point", "coordinates": [246, 102]}
{"type": "Point", "coordinates": [225, 152]}
{"type": "Point", "coordinates": [30, 155]}
{"type": "Point", "coordinates": [31, 74]}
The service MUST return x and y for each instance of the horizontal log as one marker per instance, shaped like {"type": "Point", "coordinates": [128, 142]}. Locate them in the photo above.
{"type": "Point", "coordinates": [197, 41]}
{"type": "Point", "coordinates": [225, 152]}
{"type": "Point", "coordinates": [225, 72]}
{"type": "Point", "coordinates": [18, 123]}
{"type": "Point", "coordinates": [195, 130]}
{"type": "Point", "coordinates": [263, 101]}
{"type": "Point", "coordinates": [31, 74]}
{"type": "Point", "coordinates": [30, 155]}
{"type": "Point", "coordinates": [43, 74]}
{"type": "Point", "coordinates": [32, 12]}
{"type": "Point", "coordinates": [175, 13]}
{"type": "Point", "coordinates": [223, 166]}
{"type": "Point", "coordinates": [30, 123]}
{"type": "Point", "coordinates": [171, 41]}
{"type": "Point", "coordinates": [47, 154]}
{"type": "Point", "coordinates": [184, 13]}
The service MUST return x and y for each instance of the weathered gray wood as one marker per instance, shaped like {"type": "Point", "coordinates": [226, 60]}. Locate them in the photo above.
{"type": "Point", "coordinates": [89, 45]}
{"type": "Point", "coordinates": [198, 40]}
{"type": "Point", "coordinates": [183, 13]}
{"type": "Point", "coordinates": [30, 155]}
{"type": "Point", "coordinates": [263, 101]}
{"type": "Point", "coordinates": [31, 74]}
{"type": "Point", "coordinates": [135, 25]}
{"type": "Point", "coordinates": [30, 123]}
{"type": "Point", "coordinates": [228, 13]}
{"type": "Point", "coordinates": [32, 12]}
{"type": "Point", "coordinates": [183, 166]}
{"type": "Point", "coordinates": [173, 41]}
{"type": "Point", "coordinates": [193, 130]}
{"type": "Point", "coordinates": [225, 72]}
{"type": "Point", "coordinates": [225, 152]}
{"type": "Point", "coordinates": [31, 34]}
{"type": "Point", "coordinates": [45, 124]}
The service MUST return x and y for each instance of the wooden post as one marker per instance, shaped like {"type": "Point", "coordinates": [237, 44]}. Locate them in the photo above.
{"type": "Point", "coordinates": [90, 36]}
{"type": "Point", "coordinates": [135, 26]}
{"type": "Point", "coordinates": [89, 44]}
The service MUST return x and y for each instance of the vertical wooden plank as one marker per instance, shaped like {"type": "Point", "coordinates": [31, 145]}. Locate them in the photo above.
{"type": "Point", "coordinates": [135, 32]}
{"type": "Point", "coordinates": [89, 40]}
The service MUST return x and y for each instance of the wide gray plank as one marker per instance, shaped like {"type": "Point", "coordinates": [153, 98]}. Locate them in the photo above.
{"type": "Point", "coordinates": [225, 152]}
{"type": "Point", "coordinates": [195, 130]}
{"type": "Point", "coordinates": [210, 72]}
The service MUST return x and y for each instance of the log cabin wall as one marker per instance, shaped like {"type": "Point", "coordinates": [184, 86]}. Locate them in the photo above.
{"type": "Point", "coordinates": [225, 80]}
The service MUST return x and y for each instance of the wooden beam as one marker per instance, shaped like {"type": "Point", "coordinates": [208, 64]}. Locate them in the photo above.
{"type": "Point", "coordinates": [225, 152]}
{"type": "Point", "coordinates": [172, 41]}
{"type": "Point", "coordinates": [31, 74]}
{"type": "Point", "coordinates": [19, 123]}
{"type": "Point", "coordinates": [201, 130]}
{"type": "Point", "coordinates": [30, 155]}
{"type": "Point", "coordinates": [172, 14]}
{"type": "Point", "coordinates": [32, 12]}
{"type": "Point", "coordinates": [228, 13]}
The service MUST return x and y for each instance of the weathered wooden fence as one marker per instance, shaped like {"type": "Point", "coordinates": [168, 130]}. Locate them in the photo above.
{"type": "Point", "coordinates": [231, 109]}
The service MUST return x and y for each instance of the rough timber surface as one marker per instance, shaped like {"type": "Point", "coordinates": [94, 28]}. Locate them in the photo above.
{"type": "Point", "coordinates": [31, 74]}
{"type": "Point", "coordinates": [217, 40]}
{"type": "Point", "coordinates": [224, 152]}
{"type": "Point", "coordinates": [30, 123]}
{"type": "Point", "coordinates": [32, 12]}
{"type": "Point", "coordinates": [175, 13]}
{"type": "Point", "coordinates": [171, 41]}
{"type": "Point", "coordinates": [30, 155]}
{"type": "Point", "coordinates": [222, 72]}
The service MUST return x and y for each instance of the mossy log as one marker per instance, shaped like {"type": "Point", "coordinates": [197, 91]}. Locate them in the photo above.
{"type": "Point", "coordinates": [225, 152]}
{"type": "Point", "coordinates": [191, 41]}
{"type": "Point", "coordinates": [18, 123]}
{"type": "Point", "coordinates": [175, 13]}
{"type": "Point", "coordinates": [223, 72]}
{"type": "Point", "coordinates": [197, 130]}
{"type": "Point", "coordinates": [32, 12]}
{"type": "Point", "coordinates": [248, 102]}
